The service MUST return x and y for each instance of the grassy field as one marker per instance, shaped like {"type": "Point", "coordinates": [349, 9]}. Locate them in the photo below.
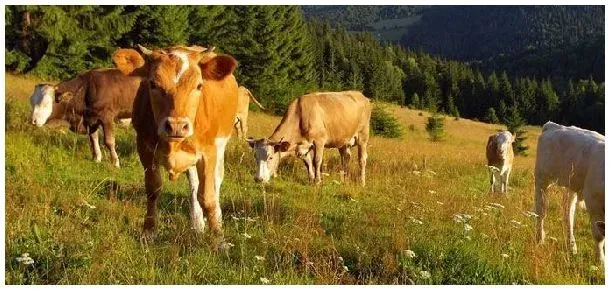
{"type": "Point", "coordinates": [81, 222]}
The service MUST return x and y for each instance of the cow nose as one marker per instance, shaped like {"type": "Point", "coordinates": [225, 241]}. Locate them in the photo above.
{"type": "Point", "coordinates": [177, 127]}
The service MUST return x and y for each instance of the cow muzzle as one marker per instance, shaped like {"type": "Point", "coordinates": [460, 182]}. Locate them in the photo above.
{"type": "Point", "coordinates": [176, 128]}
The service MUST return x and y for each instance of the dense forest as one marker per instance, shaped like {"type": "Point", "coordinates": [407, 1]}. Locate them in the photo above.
{"type": "Point", "coordinates": [282, 56]}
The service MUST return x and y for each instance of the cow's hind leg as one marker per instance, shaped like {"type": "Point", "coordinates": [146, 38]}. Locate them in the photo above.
{"type": "Point", "coordinates": [94, 143]}
{"type": "Point", "coordinates": [109, 141]}
{"type": "Point", "coordinates": [569, 210]}
{"type": "Point", "coordinates": [596, 209]}
{"type": "Point", "coordinates": [346, 156]}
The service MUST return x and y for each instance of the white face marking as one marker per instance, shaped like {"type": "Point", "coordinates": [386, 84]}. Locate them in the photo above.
{"type": "Point", "coordinates": [185, 64]}
{"type": "Point", "coordinates": [266, 160]}
{"type": "Point", "coordinates": [197, 219]}
{"type": "Point", "coordinates": [42, 104]}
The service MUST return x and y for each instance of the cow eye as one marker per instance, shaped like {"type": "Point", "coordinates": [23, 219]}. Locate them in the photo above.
{"type": "Point", "coordinates": [200, 86]}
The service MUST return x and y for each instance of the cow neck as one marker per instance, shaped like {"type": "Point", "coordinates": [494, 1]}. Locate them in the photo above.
{"type": "Point", "coordinates": [59, 111]}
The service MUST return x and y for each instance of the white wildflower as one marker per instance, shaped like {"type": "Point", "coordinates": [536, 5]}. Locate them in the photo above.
{"type": "Point", "coordinates": [259, 258]}
{"type": "Point", "coordinates": [504, 255]}
{"type": "Point", "coordinates": [425, 274]}
{"type": "Point", "coordinates": [554, 239]}
{"type": "Point", "coordinates": [440, 203]}
{"type": "Point", "coordinates": [410, 254]}
{"type": "Point", "coordinates": [594, 268]}
{"type": "Point", "coordinates": [530, 214]}
{"type": "Point", "coordinates": [351, 199]}
{"type": "Point", "coordinates": [247, 236]}
{"type": "Point", "coordinates": [432, 172]}
{"type": "Point", "coordinates": [85, 203]}
{"type": "Point", "coordinates": [340, 259]}
{"type": "Point", "coordinates": [325, 174]}
{"type": "Point", "coordinates": [25, 259]}
{"type": "Point", "coordinates": [234, 218]}
{"type": "Point", "coordinates": [416, 172]}
{"type": "Point", "coordinates": [230, 245]}
{"type": "Point", "coordinates": [467, 227]}
{"type": "Point", "coordinates": [458, 218]}
{"type": "Point", "coordinates": [249, 219]}
{"type": "Point", "coordinates": [336, 181]}
{"type": "Point", "coordinates": [345, 268]}
{"type": "Point", "coordinates": [431, 191]}
{"type": "Point", "coordinates": [398, 209]}
{"type": "Point", "coordinates": [468, 238]}
{"type": "Point", "coordinates": [265, 280]}
{"type": "Point", "coordinates": [310, 263]}
{"type": "Point", "coordinates": [515, 223]}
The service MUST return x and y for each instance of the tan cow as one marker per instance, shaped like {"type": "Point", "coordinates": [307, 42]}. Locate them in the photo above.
{"type": "Point", "coordinates": [314, 122]}
{"type": "Point", "coordinates": [573, 158]}
{"type": "Point", "coordinates": [243, 104]}
{"type": "Point", "coordinates": [499, 152]}
{"type": "Point", "coordinates": [183, 116]}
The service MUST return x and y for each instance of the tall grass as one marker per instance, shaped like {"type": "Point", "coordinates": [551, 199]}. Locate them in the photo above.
{"type": "Point", "coordinates": [81, 222]}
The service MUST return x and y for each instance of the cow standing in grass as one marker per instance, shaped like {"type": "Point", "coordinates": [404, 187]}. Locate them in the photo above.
{"type": "Point", "coordinates": [500, 157]}
{"type": "Point", "coordinates": [314, 122]}
{"type": "Point", "coordinates": [91, 100]}
{"type": "Point", "coordinates": [183, 116]}
{"type": "Point", "coordinates": [573, 158]}
{"type": "Point", "coordinates": [243, 105]}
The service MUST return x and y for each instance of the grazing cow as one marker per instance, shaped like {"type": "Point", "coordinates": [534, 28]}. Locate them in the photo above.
{"type": "Point", "coordinates": [243, 103]}
{"type": "Point", "coordinates": [183, 117]}
{"type": "Point", "coordinates": [95, 98]}
{"type": "Point", "coordinates": [500, 157]}
{"type": "Point", "coordinates": [573, 158]}
{"type": "Point", "coordinates": [314, 122]}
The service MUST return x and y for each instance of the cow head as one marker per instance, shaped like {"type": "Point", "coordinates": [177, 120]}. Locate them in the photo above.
{"type": "Point", "coordinates": [268, 155]}
{"type": "Point", "coordinates": [175, 81]}
{"type": "Point", "coordinates": [42, 103]}
{"type": "Point", "coordinates": [505, 142]}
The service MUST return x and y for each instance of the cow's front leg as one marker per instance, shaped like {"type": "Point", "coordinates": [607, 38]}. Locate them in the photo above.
{"type": "Point", "coordinates": [94, 143]}
{"type": "Point", "coordinates": [318, 158]}
{"type": "Point", "coordinates": [207, 197]}
{"type": "Point", "coordinates": [109, 141]}
{"type": "Point", "coordinates": [196, 212]}
{"type": "Point", "coordinates": [569, 211]}
{"type": "Point", "coordinates": [152, 182]}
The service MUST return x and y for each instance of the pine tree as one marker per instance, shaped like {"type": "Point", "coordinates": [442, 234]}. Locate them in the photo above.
{"type": "Point", "coordinates": [436, 127]}
{"type": "Point", "coordinates": [515, 124]}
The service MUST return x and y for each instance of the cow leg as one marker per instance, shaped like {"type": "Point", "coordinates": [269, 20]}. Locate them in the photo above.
{"type": "Point", "coordinates": [596, 209]}
{"type": "Point", "coordinates": [197, 219]}
{"type": "Point", "coordinates": [492, 181]}
{"type": "Point", "coordinates": [346, 155]}
{"type": "Point", "coordinates": [207, 196]}
{"type": "Point", "coordinates": [153, 182]}
{"type": "Point", "coordinates": [310, 168]}
{"type": "Point", "coordinates": [236, 126]}
{"type": "Point", "coordinates": [540, 199]}
{"type": "Point", "coordinates": [569, 210]}
{"type": "Point", "coordinates": [110, 142]}
{"type": "Point", "coordinates": [362, 156]}
{"type": "Point", "coordinates": [243, 124]}
{"type": "Point", "coordinates": [318, 158]}
{"type": "Point", "coordinates": [94, 143]}
{"type": "Point", "coordinates": [505, 177]}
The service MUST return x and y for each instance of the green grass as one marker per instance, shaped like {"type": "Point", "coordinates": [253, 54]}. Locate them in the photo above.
{"type": "Point", "coordinates": [304, 234]}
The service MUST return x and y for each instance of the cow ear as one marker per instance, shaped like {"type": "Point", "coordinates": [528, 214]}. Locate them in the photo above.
{"type": "Point", "coordinates": [282, 146]}
{"type": "Point", "coordinates": [251, 141]}
{"type": "Point", "coordinates": [128, 60]}
{"type": "Point", "coordinates": [217, 68]}
{"type": "Point", "coordinates": [63, 97]}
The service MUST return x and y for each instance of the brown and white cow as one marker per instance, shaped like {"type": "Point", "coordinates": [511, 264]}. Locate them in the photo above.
{"type": "Point", "coordinates": [573, 158]}
{"type": "Point", "coordinates": [314, 122]}
{"type": "Point", "coordinates": [243, 105]}
{"type": "Point", "coordinates": [183, 116]}
{"type": "Point", "coordinates": [499, 152]}
{"type": "Point", "coordinates": [92, 99]}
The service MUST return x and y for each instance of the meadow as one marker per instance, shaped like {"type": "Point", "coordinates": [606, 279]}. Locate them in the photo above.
{"type": "Point", "coordinates": [424, 217]}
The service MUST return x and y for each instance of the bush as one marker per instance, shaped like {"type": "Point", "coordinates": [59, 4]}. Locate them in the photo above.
{"type": "Point", "coordinates": [436, 127]}
{"type": "Point", "coordinates": [384, 124]}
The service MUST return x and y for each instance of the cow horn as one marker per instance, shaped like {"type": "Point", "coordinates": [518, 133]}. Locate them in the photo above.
{"type": "Point", "coordinates": [144, 50]}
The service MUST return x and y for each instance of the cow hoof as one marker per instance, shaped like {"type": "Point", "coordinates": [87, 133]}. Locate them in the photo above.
{"type": "Point", "coordinates": [97, 160]}
{"type": "Point", "coordinates": [198, 227]}
{"type": "Point", "coordinates": [117, 164]}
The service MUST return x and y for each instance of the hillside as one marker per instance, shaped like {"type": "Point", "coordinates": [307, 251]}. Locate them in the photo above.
{"type": "Point", "coordinates": [81, 221]}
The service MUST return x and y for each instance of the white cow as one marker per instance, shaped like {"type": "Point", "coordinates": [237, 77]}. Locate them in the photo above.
{"type": "Point", "coordinates": [573, 158]}
{"type": "Point", "coordinates": [500, 157]}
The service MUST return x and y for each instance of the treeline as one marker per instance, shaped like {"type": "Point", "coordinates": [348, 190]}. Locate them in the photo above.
{"type": "Point", "coordinates": [282, 56]}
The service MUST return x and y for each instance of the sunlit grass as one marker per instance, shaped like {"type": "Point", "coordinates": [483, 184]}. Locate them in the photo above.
{"type": "Point", "coordinates": [80, 222]}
